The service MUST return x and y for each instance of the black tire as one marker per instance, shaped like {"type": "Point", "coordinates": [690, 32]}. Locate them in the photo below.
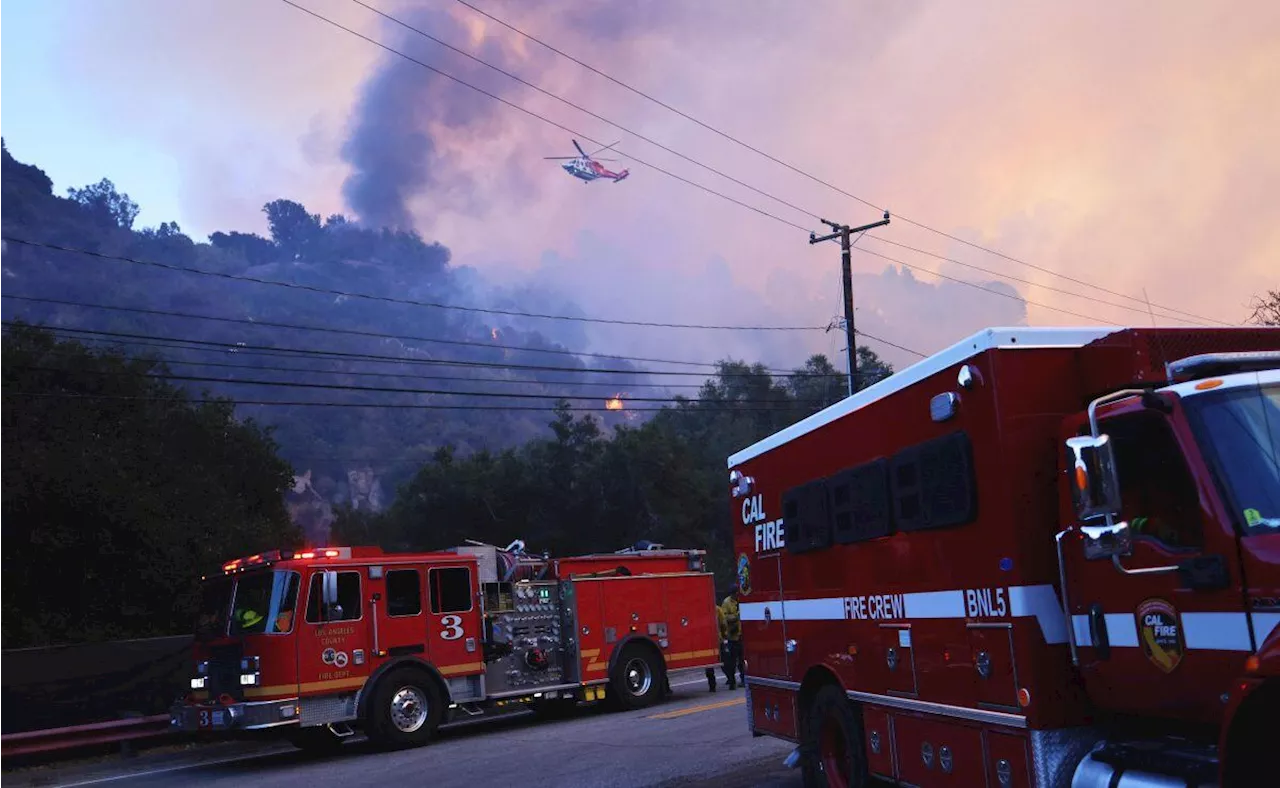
{"type": "Point", "coordinates": [638, 679]}
{"type": "Point", "coordinates": [405, 710]}
{"type": "Point", "coordinates": [833, 744]}
{"type": "Point", "coordinates": [316, 740]}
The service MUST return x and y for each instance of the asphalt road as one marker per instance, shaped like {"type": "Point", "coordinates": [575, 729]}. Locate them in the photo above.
{"type": "Point", "coordinates": [695, 739]}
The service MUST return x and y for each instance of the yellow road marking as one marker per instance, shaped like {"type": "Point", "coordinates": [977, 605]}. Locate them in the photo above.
{"type": "Point", "coordinates": [724, 704]}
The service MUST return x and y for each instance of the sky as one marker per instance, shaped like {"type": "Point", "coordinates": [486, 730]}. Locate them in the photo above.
{"type": "Point", "coordinates": [1121, 150]}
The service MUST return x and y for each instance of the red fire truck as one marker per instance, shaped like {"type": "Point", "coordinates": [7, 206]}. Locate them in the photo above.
{"type": "Point", "coordinates": [325, 641]}
{"type": "Point", "coordinates": [1041, 557]}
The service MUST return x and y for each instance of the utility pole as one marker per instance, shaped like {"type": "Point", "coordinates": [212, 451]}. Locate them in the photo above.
{"type": "Point", "coordinates": [844, 232]}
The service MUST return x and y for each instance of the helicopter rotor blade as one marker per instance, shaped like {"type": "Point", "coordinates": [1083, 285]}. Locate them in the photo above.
{"type": "Point", "coordinates": [580, 150]}
{"type": "Point", "coordinates": [561, 158]}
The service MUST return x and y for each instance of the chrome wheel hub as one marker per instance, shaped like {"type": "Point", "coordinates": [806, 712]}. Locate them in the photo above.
{"type": "Point", "coordinates": [409, 709]}
{"type": "Point", "coordinates": [639, 677]}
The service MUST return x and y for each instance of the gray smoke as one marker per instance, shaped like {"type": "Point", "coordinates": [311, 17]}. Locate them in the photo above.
{"type": "Point", "coordinates": [390, 147]}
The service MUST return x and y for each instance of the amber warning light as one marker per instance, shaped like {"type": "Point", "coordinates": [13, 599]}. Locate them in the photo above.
{"type": "Point", "coordinates": [272, 556]}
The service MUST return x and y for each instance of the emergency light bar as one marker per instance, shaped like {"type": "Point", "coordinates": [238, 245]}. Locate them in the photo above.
{"type": "Point", "coordinates": [1218, 364]}
{"type": "Point", "coordinates": [271, 556]}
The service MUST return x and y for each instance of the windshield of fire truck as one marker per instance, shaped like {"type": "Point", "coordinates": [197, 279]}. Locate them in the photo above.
{"type": "Point", "coordinates": [1241, 428]}
{"type": "Point", "coordinates": [251, 604]}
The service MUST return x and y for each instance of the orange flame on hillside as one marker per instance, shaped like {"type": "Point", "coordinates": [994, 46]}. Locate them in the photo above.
{"type": "Point", "coordinates": [493, 332]}
{"type": "Point", "coordinates": [615, 403]}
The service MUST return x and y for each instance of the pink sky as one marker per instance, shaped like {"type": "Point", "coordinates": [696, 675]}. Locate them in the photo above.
{"type": "Point", "coordinates": [1127, 144]}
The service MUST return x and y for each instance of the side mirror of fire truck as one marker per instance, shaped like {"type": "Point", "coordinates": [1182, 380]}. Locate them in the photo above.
{"type": "Point", "coordinates": [1095, 487]}
{"type": "Point", "coordinates": [329, 597]}
{"type": "Point", "coordinates": [1106, 541]}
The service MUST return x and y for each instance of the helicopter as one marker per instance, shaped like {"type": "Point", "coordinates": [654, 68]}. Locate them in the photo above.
{"type": "Point", "coordinates": [587, 168]}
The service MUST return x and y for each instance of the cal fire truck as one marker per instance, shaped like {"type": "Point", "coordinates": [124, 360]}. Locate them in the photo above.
{"type": "Point", "coordinates": [1041, 557]}
{"type": "Point", "coordinates": [325, 641]}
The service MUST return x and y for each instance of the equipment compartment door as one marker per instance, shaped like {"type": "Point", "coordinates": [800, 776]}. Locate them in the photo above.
{"type": "Point", "coordinates": [454, 631]}
{"type": "Point", "coordinates": [1167, 643]}
{"type": "Point", "coordinates": [764, 630]}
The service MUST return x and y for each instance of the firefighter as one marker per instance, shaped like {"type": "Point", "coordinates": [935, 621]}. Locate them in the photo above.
{"type": "Point", "coordinates": [711, 672]}
{"type": "Point", "coordinates": [247, 618]}
{"type": "Point", "coordinates": [731, 640]}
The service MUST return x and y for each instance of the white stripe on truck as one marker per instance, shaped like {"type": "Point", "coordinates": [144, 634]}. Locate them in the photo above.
{"type": "Point", "coordinates": [1220, 631]}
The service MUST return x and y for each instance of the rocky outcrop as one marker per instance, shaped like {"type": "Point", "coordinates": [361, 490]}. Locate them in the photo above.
{"type": "Point", "coordinates": [309, 510]}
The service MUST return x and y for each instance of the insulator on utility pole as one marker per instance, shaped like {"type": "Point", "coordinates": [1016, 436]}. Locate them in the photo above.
{"type": "Point", "coordinates": [845, 233]}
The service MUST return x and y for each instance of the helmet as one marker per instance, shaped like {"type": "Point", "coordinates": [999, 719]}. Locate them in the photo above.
{"type": "Point", "coordinates": [248, 618]}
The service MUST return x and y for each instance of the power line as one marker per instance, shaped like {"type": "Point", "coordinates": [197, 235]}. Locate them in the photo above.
{"type": "Point", "coordinates": [379, 389]}
{"type": "Point", "coordinates": [691, 405]}
{"type": "Point", "coordinates": [1140, 309]}
{"type": "Point", "coordinates": [390, 299]}
{"type": "Point", "coordinates": [810, 176]}
{"type": "Point", "coordinates": [659, 169]}
{"type": "Point", "coordinates": [1028, 282]}
{"type": "Point", "coordinates": [351, 331]}
{"type": "Point", "coordinates": [1014, 296]}
{"type": "Point", "coordinates": [542, 118]}
{"type": "Point", "coordinates": [610, 385]}
{"type": "Point", "coordinates": [582, 109]}
{"type": "Point", "coordinates": [205, 345]}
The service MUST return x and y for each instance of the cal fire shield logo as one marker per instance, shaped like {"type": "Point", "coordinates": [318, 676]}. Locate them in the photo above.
{"type": "Point", "coordinates": [744, 574]}
{"type": "Point", "coordinates": [1160, 632]}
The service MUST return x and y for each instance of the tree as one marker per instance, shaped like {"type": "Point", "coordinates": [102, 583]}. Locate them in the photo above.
{"type": "Point", "coordinates": [102, 199]}
{"type": "Point", "coordinates": [1266, 309]}
{"type": "Point", "coordinates": [120, 492]}
{"type": "Point", "coordinates": [292, 228]}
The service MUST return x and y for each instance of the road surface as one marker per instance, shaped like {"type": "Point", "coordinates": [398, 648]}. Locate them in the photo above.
{"type": "Point", "coordinates": [695, 739]}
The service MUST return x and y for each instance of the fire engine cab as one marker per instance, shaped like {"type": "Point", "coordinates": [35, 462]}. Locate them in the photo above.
{"type": "Point", "coordinates": [1042, 557]}
{"type": "Point", "coordinates": [325, 641]}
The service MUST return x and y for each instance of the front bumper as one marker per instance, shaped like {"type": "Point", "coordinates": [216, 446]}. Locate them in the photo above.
{"type": "Point", "coordinates": [234, 717]}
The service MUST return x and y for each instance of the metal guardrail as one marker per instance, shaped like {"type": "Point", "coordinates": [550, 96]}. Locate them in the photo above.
{"type": "Point", "coordinates": [111, 732]}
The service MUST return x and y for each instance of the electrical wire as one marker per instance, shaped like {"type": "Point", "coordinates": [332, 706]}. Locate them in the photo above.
{"type": "Point", "coordinates": [349, 331]}
{"type": "Point", "coordinates": [812, 214]}
{"type": "Point", "coordinates": [584, 110]}
{"type": "Point", "coordinates": [542, 118]}
{"type": "Point", "coordinates": [610, 385]}
{"type": "Point", "coordinates": [688, 406]}
{"type": "Point", "coordinates": [713, 192]}
{"type": "Point", "coordinates": [389, 299]}
{"type": "Point", "coordinates": [814, 178]}
{"type": "Point", "coordinates": [371, 389]}
{"type": "Point", "coordinates": [205, 345]}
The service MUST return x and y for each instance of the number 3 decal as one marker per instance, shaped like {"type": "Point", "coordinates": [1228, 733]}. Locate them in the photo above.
{"type": "Point", "coordinates": [452, 627]}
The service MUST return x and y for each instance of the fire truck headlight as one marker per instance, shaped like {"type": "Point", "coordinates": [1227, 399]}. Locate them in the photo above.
{"type": "Point", "coordinates": [248, 664]}
{"type": "Point", "coordinates": [197, 683]}
{"type": "Point", "coordinates": [249, 679]}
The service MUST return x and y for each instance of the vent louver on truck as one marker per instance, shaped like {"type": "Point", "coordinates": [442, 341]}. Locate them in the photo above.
{"type": "Point", "coordinates": [805, 520]}
{"type": "Point", "coordinates": [859, 503]}
{"type": "Point", "coordinates": [933, 484]}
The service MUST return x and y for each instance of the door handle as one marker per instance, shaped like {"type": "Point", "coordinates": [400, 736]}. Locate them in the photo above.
{"type": "Point", "coordinates": [1098, 631]}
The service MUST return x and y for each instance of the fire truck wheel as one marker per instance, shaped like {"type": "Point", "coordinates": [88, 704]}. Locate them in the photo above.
{"type": "Point", "coordinates": [834, 756]}
{"type": "Point", "coordinates": [404, 710]}
{"type": "Point", "coordinates": [638, 677]}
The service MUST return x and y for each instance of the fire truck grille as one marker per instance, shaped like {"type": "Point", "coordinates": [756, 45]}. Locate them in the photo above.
{"type": "Point", "coordinates": [224, 671]}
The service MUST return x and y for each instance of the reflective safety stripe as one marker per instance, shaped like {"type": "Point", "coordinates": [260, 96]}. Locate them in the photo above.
{"type": "Point", "coordinates": [1220, 631]}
